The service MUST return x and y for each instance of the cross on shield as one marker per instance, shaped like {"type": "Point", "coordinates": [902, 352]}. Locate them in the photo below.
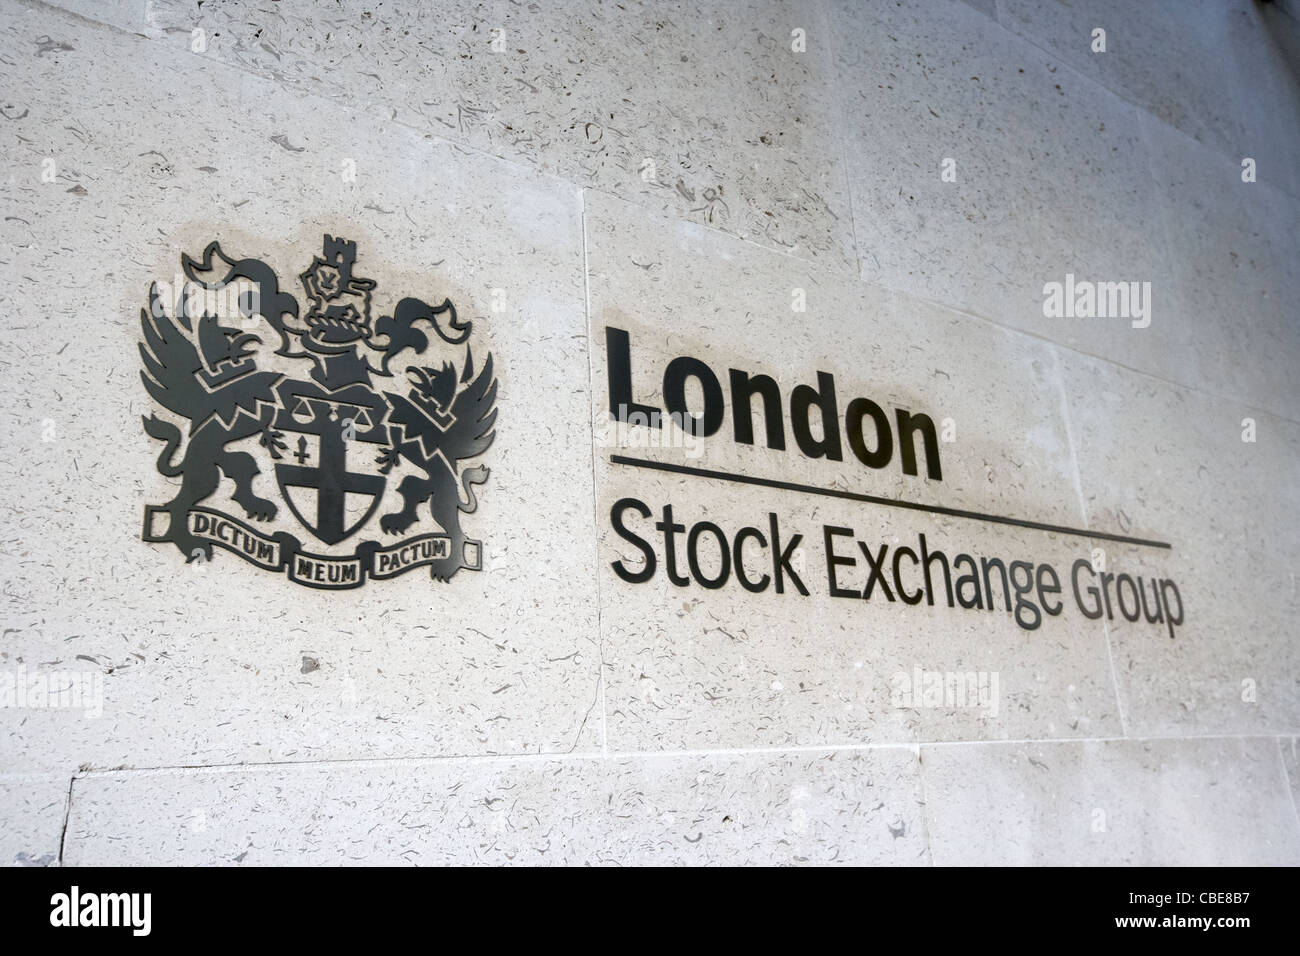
{"type": "Point", "coordinates": [327, 418]}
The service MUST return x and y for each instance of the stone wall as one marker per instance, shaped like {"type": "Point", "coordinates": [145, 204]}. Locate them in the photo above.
{"type": "Point", "coordinates": [881, 193]}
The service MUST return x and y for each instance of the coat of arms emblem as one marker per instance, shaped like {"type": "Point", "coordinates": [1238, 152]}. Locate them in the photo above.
{"type": "Point", "coordinates": [357, 451]}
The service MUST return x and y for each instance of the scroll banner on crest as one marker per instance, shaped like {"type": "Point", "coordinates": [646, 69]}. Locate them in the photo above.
{"type": "Point", "coordinates": [283, 552]}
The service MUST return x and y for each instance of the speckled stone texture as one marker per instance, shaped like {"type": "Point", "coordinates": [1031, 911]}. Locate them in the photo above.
{"type": "Point", "coordinates": [695, 108]}
{"type": "Point", "coordinates": [848, 807]}
{"type": "Point", "coordinates": [874, 189]}
{"type": "Point", "coordinates": [1233, 667]}
{"type": "Point", "coordinates": [35, 808]}
{"type": "Point", "coordinates": [1110, 803]}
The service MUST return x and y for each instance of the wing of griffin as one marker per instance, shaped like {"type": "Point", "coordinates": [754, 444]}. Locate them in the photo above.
{"type": "Point", "coordinates": [173, 363]}
{"type": "Point", "coordinates": [470, 432]}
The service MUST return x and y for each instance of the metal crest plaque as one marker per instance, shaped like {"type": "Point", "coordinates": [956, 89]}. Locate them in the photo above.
{"type": "Point", "coordinates": [370, 428]}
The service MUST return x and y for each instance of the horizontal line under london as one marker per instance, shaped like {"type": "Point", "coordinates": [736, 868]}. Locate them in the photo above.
{"type": "Point", "coordinates": [876, 500]}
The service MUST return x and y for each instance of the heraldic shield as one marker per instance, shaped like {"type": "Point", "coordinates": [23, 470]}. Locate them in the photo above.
{"type": "Point", "coordinates": [249, 378]}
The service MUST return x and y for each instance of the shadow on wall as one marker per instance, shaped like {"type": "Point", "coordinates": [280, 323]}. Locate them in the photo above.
{"type": "Point", "coordinates": [1281, 25]}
